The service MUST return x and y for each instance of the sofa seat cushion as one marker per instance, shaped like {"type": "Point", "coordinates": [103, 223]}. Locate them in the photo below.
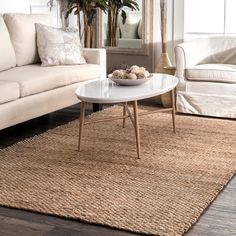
{"type": "Point", "coordinates": [7, 53]}
{"type": "Point", "coordinates": [9, 91]}
{"type": "Point", "coordinates": [224, 73]}
{"type": "Point", "coordinates": [35, 79]}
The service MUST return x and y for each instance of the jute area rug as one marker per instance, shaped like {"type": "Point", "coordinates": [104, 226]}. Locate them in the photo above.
{"type": "Point", "coordinates": [163, 193]}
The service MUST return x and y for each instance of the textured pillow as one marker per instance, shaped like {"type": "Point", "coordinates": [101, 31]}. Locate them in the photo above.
{"type": "Point", "coordinates": [23, 35]}
{"type": "Point", "coordinates": [58, 46]}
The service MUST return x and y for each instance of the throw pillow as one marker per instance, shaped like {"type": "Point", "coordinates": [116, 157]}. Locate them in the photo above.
{"type": "Point", "coordinates": [7, 53]}
{"type": "Point", "coordinates": [130, 27]}
{"type": "Point", "coordinates": [22, 31]}
{"type": "Point", "coordinates": [58, 46]}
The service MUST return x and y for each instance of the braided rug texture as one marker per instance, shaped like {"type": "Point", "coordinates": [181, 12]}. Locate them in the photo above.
{"type": "Point", "coordinates": [163, 193]}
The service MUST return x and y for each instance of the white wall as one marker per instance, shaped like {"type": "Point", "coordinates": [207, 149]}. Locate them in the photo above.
{"type": "Point", "coordinates": [20, 6]}
{"type": "Point", "coordinates": [31, 6]}
{"type": "Point", "coordinates": [178, 18]}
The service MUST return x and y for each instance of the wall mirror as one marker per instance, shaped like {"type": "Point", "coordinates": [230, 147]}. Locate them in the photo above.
{"type": "Point", "coordinates": [131, 34]}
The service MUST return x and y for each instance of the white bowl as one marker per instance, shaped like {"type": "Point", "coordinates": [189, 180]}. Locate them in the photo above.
{"type": "Point", "coordinates": [129, 82]}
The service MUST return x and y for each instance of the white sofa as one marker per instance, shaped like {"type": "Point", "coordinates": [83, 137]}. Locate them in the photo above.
{"type": "Point", "coordinates": [28, 90]}
{"type": "Point", "coordinates": [206, 68]}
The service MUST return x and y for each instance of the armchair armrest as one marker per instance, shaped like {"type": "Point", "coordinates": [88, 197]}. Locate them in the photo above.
{"type": "Point", "coordinates": [96, 56]}
{"type": "Point", "coordinates": [180, 62]}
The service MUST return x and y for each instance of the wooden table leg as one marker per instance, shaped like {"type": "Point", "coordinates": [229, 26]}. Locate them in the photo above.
{"type": "Point", "coordinates": [81, 123]}
{"type": "Point", "coordinates": [173, 109]}
{"type": "Point", "coordinates": [124, 113]}
{"type": "Point", "coordinates": [136, 127]}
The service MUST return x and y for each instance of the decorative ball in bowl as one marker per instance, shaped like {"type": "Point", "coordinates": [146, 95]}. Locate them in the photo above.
{"type": "Point", "coordinates": [134, 75]}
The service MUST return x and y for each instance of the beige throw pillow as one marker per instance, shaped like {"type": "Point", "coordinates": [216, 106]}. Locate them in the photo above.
{"type": "Point", "coordinates": [22, 31]}
{"type": "Point", "coordinates": [59, 46]}
{"type": "Point", "coordinates": [7, 53]}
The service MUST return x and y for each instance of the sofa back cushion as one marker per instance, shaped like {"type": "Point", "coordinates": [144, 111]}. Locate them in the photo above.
{"type": "Point", "coordinates": [23, 35]}
{"type": "Point", "coordinates": [7, 54]}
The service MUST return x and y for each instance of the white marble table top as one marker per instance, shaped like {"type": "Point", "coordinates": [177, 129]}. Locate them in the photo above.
{"type": "Point", "coordinates": [106, 91]}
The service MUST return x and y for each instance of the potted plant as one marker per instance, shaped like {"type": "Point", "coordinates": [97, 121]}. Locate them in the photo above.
{"type": "Point", "coordinates": [114, 8]}
{"type": "Point", "coordinates": [86, 24]}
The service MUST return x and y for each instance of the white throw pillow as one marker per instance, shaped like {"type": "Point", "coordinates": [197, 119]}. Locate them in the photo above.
{"type": "Point", "coordinates": [129, 30]}
{"type": "Point", "coordinates": [7, 53]}
{"type": "Point", "coordinates": [58, 46]}
{"type": "Point", "coordinates": [23, 35]}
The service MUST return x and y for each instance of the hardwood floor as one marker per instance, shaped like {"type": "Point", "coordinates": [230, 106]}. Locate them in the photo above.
{"type": "Point", "coordinates": [218, 220]}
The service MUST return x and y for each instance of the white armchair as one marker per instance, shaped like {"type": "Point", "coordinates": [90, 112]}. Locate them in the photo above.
{"type": "Point", "coordinates": [206, 68]}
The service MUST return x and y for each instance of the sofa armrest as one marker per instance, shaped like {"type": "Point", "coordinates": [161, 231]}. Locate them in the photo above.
{"type": "Point", "coordinates": [96, 56]}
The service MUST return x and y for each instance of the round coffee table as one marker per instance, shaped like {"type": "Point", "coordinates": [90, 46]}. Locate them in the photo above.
{"type": "Point", "coordinates": [106, 92]}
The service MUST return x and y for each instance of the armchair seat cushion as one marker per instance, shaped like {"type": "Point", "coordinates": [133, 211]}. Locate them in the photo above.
{"type": "Point", "coordinates": [224, 73]}
{"type": "Point", "coordinates": [9, 91]}
{"type": "Point", "coordinates": [34, 79]}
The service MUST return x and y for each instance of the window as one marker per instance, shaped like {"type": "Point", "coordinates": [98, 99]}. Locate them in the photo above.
{"type": "Point", "coordinates": [230, 17]}
{"type": "Point", "coordinates": [209, 17]}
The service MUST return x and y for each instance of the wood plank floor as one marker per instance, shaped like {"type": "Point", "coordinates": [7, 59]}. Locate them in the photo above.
{"type": "Point", "coordinates": [218, 220]}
